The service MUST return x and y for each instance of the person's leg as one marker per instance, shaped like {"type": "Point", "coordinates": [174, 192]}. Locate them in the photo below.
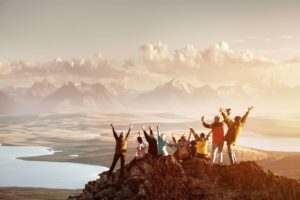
{"type": "Point", "coordinates": [230, 153]}
{"type": "Point", "coordinates": [213, 153]}
{"type": "Point", "coordinates": [115, 160]}
{"type": "Point", "coordinates": [233, 154]}
{"type": "Point", "coordinates": [220, 152]}
{"type": "Point", "coordinates": [123, 157]}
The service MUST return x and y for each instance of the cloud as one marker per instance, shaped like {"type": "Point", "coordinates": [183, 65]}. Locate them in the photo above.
{"type": "Point", "coordinates": [216, 63]}
{"type": "Point", "coordinates": [157, 63]}
{"type": "Point", "coordinates": [287, 37]}
{"type": "Point", "coordinates": [91, 67]}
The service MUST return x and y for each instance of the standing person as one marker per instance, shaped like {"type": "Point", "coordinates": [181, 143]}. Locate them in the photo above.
{"type": "Point", "coordinates": [161, 143]}
{"type": "Point", "coordinates": [234, 130]}
{"type": "Point", "coordinates": [152, 148]}
{"type": "Point", "coordinates": [202, 144]}
{"type": "Point", "coordinates": [120, 149]}
{"type": "Point", "coordinates": [217, 138]}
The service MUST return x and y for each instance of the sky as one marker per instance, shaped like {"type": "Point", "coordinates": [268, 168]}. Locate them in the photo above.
{"type": "Point", "coordinates": [41, 30]}
{"type": "Point", "coordinates": [145, 43]}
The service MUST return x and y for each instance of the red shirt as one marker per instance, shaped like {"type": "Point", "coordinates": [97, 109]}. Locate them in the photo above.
{"type": "Point", "coordinates": [218, 134]}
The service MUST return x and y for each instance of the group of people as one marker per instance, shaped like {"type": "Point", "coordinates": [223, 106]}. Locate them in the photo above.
{"type": "Point", "coordinates": [185, 148]}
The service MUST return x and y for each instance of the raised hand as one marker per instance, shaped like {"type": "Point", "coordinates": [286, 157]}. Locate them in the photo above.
{"type": "Point", "coordinates": [222, 110]}
{"type": "Point", "coordinates": [143, 127]}
{"type": "Point", "coordinates": [150, 128]}
{"type": "Point", "coordinates": [202, 118]}
{"type": "Point", "coordinates": [250, 108]}
{"type": "Point", "coordinates": [112, 125]}
{"type": "Point", "coordinates": [130, 126]}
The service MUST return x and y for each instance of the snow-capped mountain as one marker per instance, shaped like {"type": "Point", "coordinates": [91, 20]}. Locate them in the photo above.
{"type": "Point", "coordinates": [169, 95]}
{"type": "Point", "coordinates": [66, 94]}
{"type": "Point", "coordinates": [81, 96]}
{"type": "Point", "coordinates": [40, 89]}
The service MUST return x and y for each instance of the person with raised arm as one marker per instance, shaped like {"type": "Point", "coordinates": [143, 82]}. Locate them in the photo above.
{"type": "Point", "coordinates": [217, 138]}
{"type": "Point", "coordinates": [202, 143]}
{"type": "Point", "coordinates": [152, 148]}
{"type": "Point", "coordinates": [161, 143]}
{"type": "Point", "coordinates": [120, 149]}
{"type": "Point", "coordinates": [139, 153]}
{"type": "Point", "coordinates": [182, 147]}
{"type": "Point", "coordinates": [141, 148]}
{"type": "Point", "coordinates": [234, 130]}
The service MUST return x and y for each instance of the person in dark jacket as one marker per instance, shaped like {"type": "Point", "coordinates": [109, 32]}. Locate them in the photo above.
{"type": "Point", "coordinates": [120, 149]}
{"type": "Point", "coordinates": [217, 138]}
{"type": "Point", "coordinates": [234, 130]}
{"type": "Point", "coordinates": [152, 148]}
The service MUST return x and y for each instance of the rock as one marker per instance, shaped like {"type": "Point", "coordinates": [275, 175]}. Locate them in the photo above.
{"type": "Point", "coordinates": [165, 178]}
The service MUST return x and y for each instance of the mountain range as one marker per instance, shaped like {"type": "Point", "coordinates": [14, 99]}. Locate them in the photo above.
{"type": "Point", "coordinates": [174, 95]}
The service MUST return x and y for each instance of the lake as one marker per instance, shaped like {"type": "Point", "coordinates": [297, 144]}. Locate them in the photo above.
{"type": "Point", "coordinates": [43, 174]}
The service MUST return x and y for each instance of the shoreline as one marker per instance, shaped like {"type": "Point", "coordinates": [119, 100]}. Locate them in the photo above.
{"type": "Point", "coordinates": [32, 193]}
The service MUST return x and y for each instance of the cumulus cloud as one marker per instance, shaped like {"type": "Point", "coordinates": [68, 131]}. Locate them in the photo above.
{"type": "Point", "coordinates": [78, 68]}
{"type": "Point", "coordinates": [217, 63]}
{"type": "Point", "coordinates": [157, 63]}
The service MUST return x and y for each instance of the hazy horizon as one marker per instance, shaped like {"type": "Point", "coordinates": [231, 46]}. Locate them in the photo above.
{"type": "Point", "coordinates": [153, 55]}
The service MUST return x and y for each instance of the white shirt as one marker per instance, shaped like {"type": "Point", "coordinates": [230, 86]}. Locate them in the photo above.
{"type": "Point", "coordinates": [140, 151]}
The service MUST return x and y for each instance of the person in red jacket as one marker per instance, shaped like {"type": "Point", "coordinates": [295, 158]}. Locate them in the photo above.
{"type": "Point", "coordinates": [217, 128]}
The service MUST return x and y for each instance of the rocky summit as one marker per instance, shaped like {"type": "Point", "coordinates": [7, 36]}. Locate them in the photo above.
{"type": "Point", "coordinates": [166, 178]}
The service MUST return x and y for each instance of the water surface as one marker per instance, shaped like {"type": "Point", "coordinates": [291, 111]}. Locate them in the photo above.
{"type": "Point", "coordinates": [22, 173]}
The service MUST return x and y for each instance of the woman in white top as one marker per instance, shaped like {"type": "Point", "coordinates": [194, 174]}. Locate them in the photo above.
{"type": "Point", "coordinates": [140, 149]}
{"type": "Point", "coordinates": [139, 154]}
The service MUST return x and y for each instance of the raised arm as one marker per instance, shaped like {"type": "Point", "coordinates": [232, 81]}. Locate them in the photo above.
{"type": "Point", "coordinates": [151, 131]}
{"type": "Point", "coordinates": [205, 124]}
{"type": "Point", "coordinates": [227, 120]}
{"type": "Point", "coordinates": [146, 134]}
{"type": "Point", "coordinates": [194, 133]}
{"type": "Point", "coordinates": [208, 135]}
{"type": "Point", "coordinates": [174, 139]}
{"type": "Point", "coordinates": [244, 118]}
{"type": "Point", "coordinates": [130, 127]}
{"type": "Point", "coordinates": [158, 133]}
{"type": "Point", "coordinates": [114, 132]}
{"type": "Point", "coordinates": [189, 138]}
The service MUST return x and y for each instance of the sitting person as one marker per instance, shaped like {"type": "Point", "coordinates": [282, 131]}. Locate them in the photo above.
{"type": "Point", "coordinates": [182, 148]}
{"type": "Point", "coordinates": [140, 152]}
{"type": "Point", "coordinates": [202, 144]}
{"type": "Point", "coordinates": [140, 149]}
